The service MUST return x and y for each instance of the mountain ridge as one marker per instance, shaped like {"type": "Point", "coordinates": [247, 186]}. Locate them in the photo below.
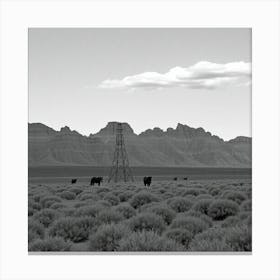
{"type": "Point", "coordinates": [182, 146]}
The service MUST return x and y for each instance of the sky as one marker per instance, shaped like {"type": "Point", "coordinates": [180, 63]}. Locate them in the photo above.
{"type": "Point", "coordinates": [148, 77]}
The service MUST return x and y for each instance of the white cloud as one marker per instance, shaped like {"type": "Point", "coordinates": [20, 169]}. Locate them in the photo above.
{"type": "Point", "coordinates": [202, 75]}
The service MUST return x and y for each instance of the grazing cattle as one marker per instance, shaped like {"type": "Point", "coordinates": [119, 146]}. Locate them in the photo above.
{"type": "Point", "coordinates": [96, 180]}
{"type": "Point", "coordinates": [147, 181]}
{"type": "Point", "coordinates": [186, 178]}
{"type": "Point", "coordinates": [175, 178]}
{"type": "Point", "coordinates": [73, 181]}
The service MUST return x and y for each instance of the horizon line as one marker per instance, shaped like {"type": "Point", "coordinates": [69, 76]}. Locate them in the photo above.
{"type": "Point", "coordinates": [30, 123]}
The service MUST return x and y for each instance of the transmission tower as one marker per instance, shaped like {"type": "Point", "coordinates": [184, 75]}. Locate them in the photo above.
{"type": "Point", "coordinates": [120, 170]}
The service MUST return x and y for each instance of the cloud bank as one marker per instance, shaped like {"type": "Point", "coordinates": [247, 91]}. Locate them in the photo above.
{"type": "Point", "coordinates": [202, 75]}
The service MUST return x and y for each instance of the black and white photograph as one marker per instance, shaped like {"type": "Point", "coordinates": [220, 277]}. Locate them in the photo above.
{"type": "Point", "coordinates": [139, 140]}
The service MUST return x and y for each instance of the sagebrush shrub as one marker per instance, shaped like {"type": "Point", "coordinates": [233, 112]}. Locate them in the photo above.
{"type": "Point", "coordinates": [103, 203]}
{"type": "Point", "coordinates": [107, 237]}
{"type": "Point", "coordinates": [192, 191]}
{"type": "Point", "coordinates": [125, 209]}
{"type": "Point", "coordinates": [180, 204]}
{"type": "Point", "coordinates": [222, 208]}
{"type": "Point", "coordinates": [35, 230]}
{"type": "Point", "coordinates": [46, 216]}
{"type": "Point", "coordinates": [86, 196]}
{"type": "Point", "coordinates": [80, 204]}
{"type": "Point", "coordinates": [108, 216]}
{"type": "Point", "coordinates": [235, 196]}
{"type": "Point", "coordinates": [112, 199]}
{"type": "Point", "coordinates": [193, 213]}
{"type": "Point", "coordinates": [31, 211]}
{"type": "Point", "coordinates": [47, 201]}
{"type": "Point", "coordinates": [37, 197]}
{"type": "Point", "coordinates": [67, 211]}
{"type": "Point", "coordinates": [125, 196]}
{"type": "Point", "coordinates": [204, 196]}
{"type": "Point", "coordinates": [193, 224]}
{"type": "Point", "coordinates": [76, 190]}
{"type": "Point", "coordinates": [91, 211]}
{"type": "Point", "coordinates": [239, 238]}
{"type": "Point", "coordinates": [212, 240]}
{"type": "Point", "coordinates": [102, 191]}
{"type": "Point", "coordinates": [164, 212]}
{"type": "Point", "coordinates": [167, 195]}
{"type": "Point", "coordinates": [246, 218]}
{"type": "Point", "coordinates": [214, 191]}
{"type": "Point", "coordinates": [246, 205]}
{"type": "Point", "coordinates": [57, 205]}
{"type": "Point", "coordinates": [147, 221]}
{"type": "Point", "coordinates": [142, 198]}
{"type": "Point", "coordinates": [74, 229]}
{"type": "Point", "coordinates": [243, 215]}
{"type": "Point", "coordinates": [50, 244]}
{"type": "Point", "coordinates": [35, 205]}
{"type": "Point", "coordinates": [202, 205]}
{"type": "Point", "coordinates": [181, 236]}
{"type": "Point", "coordinates": [145, 241]}
{"type": "Point", "coordinates": [230, 221]}
{"type": "Point", "coordinates": [67, 195]}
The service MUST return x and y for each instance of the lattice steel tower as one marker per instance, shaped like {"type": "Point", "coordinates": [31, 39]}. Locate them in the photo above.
{"type": "Point", "coordinates": [120, 170]}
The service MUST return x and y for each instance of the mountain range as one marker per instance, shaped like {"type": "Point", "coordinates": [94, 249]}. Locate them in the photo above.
{"type": "Point", "coordinates": [182, 146]}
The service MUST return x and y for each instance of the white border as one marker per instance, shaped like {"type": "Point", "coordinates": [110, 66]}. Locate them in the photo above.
{"type": "Point", "coordinates": [262, 16]}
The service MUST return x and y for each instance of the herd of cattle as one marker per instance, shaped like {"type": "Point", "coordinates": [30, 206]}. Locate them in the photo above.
{"type": "Point", "coordinates": [146, 180]}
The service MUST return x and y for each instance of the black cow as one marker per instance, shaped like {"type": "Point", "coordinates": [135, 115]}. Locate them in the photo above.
{"type": "Point", "coordinates": [186, 178]}
{"type": "Point", "coordinates": [175, 179]}
{"type": "Point", "coordinates": [96, 180]}
{"type": "Point", "coordinates": [73, 181]}
{"type": "Point", "coordinates": [147, 181]}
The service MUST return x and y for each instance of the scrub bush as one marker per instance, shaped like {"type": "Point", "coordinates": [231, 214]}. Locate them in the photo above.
{"type": "Point", "coordinates": [181, 236]}
{"type": "Point", "coordinates": [35, 230]}
{"type": "Point", "coordinates": [230, 221]}
{"type": "Point", "coordinates": [50, 244]}
{"type": "Point", "coordinates": [125, 209]}
{"type": "Point", "coordinates": [194, 192]}
{"type": "Point", "coordinates": [67, 195]}
{"type": "Point", "coordinates": [74, 229]}
{"type": "Point", "coordinates": [192, 224]}
{"type": "Point", "coordinates": [235, 196]}
{"type": "Point", "coordinates": [112, 199]}
{"type": "Point", "coordinates": [76, 190]}
{"type": "Point", "coordinates": [107, 237]}
{"type": "Point", "coordinates": [180, 204]}
{"type": "Point", "coordinates": [212, 240]}
{"type": "Point", "coordinates": [239, 238]}
{"type": "Point", "coordinates": [57, 205]}
{"type": "Point", "coordinates": [49, 200]}
{"type": "Point", "coordinates": [142, 198]}
{"type": "Point", "coordinates": [204, 196]}
{"type": "Point", "coordinates": [108, 216]}
{"type": "Point", "coordinates": [46, 216]}
{"type": "Point", "coordinates": [193, 213]}
{"type": "Point", "coordinates": [91, 211]}
{"type": "Point", "coordinates": [202, 205]}
{"type": "Point", "coordinates": [125, 196]}
{"type": "Point", "coordinates": [147, 221]}
{"type": "Point", "coordinates": [86, 196]}
{"type": "Point", "coordinates": [222, 208]}
{"type": "Point", "coordinates": [246, 205]}
{"type": "Point", "coordinates": [164, 212]}
{"type": "Point", "coordinates": [148, 241]}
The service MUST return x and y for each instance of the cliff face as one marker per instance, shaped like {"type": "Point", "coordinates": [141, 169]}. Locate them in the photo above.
{"type": "Point", "coordinates": [182, 146]}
